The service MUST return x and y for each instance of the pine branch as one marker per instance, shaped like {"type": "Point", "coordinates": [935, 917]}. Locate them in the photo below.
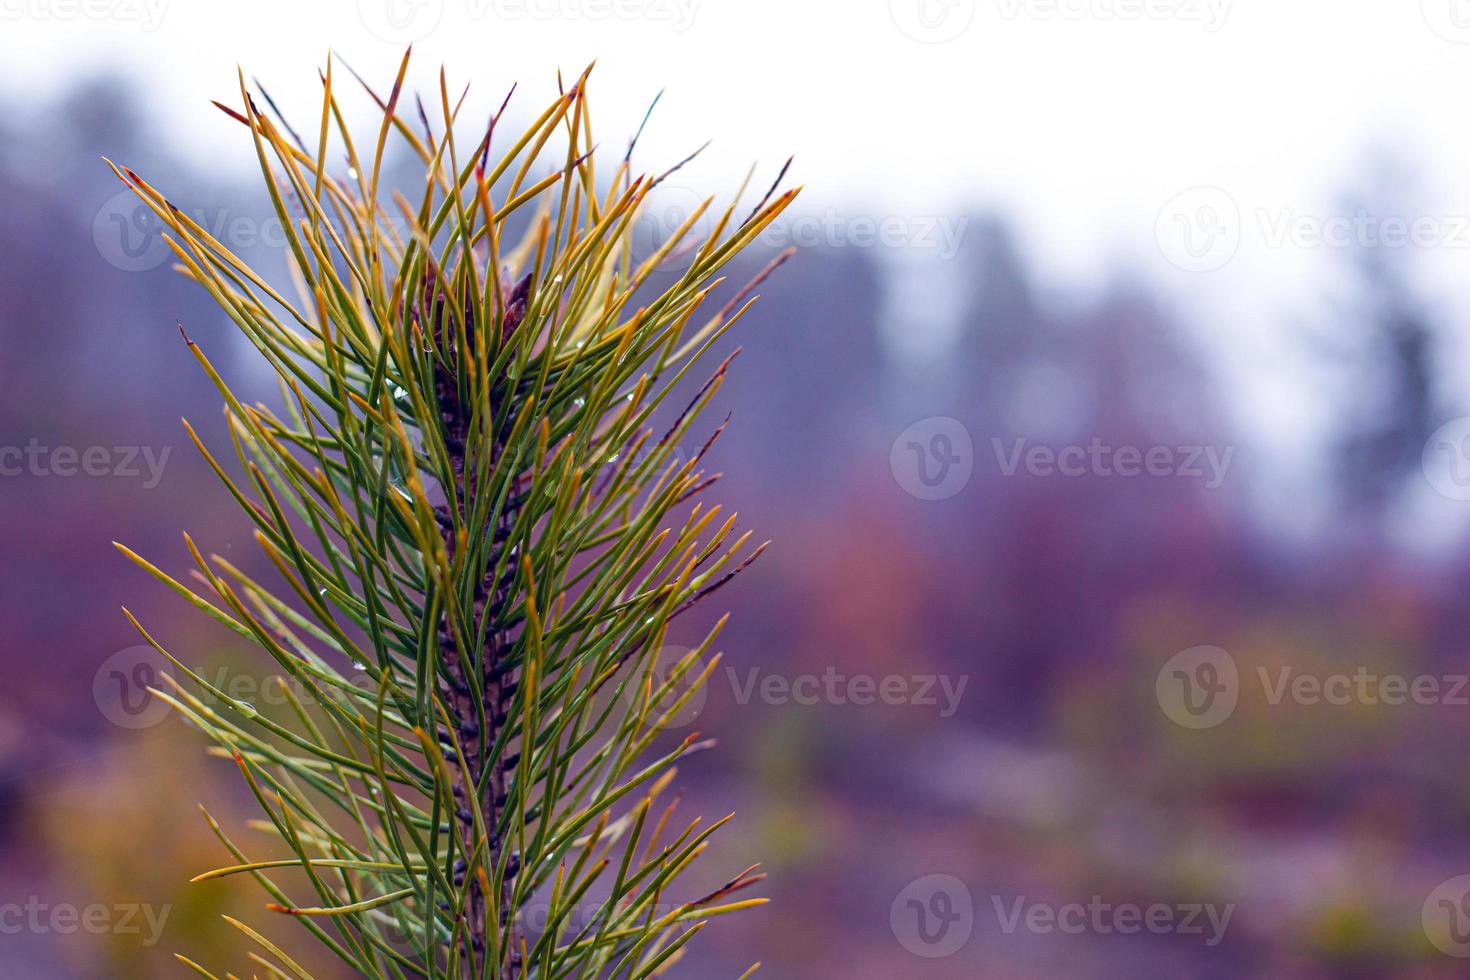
{"type": "Point", "coordinates": [479, 721]}
{"type": "Point", "coordinates": [481, 543]}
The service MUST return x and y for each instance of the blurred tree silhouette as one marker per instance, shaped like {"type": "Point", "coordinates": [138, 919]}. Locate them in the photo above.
{"type": "Point", "coordinates": [1389, 347]}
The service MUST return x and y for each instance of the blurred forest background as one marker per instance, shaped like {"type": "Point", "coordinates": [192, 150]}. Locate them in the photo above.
{"type": "Point", "coordinates": [1058, 777]}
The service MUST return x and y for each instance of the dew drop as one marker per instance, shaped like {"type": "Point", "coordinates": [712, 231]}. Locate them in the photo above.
{"type": "Point", "coordinates": [351, 173]}
{"type": "Point", "coordinates": [399, 394]}
{"type": "Point", "coordinates": [358, 665]}
{"type": "Point", "coordinates": [246, 708]}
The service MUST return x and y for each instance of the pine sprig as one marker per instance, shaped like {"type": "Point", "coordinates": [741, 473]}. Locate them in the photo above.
{"type": "Point", "coordinates": [482, 540]}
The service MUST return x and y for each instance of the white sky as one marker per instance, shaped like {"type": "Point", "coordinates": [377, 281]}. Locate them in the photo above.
{"type": "Point", "coordinates": [1068, 115]}
{"type": "Point", "coordinates": [1079, 117]}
